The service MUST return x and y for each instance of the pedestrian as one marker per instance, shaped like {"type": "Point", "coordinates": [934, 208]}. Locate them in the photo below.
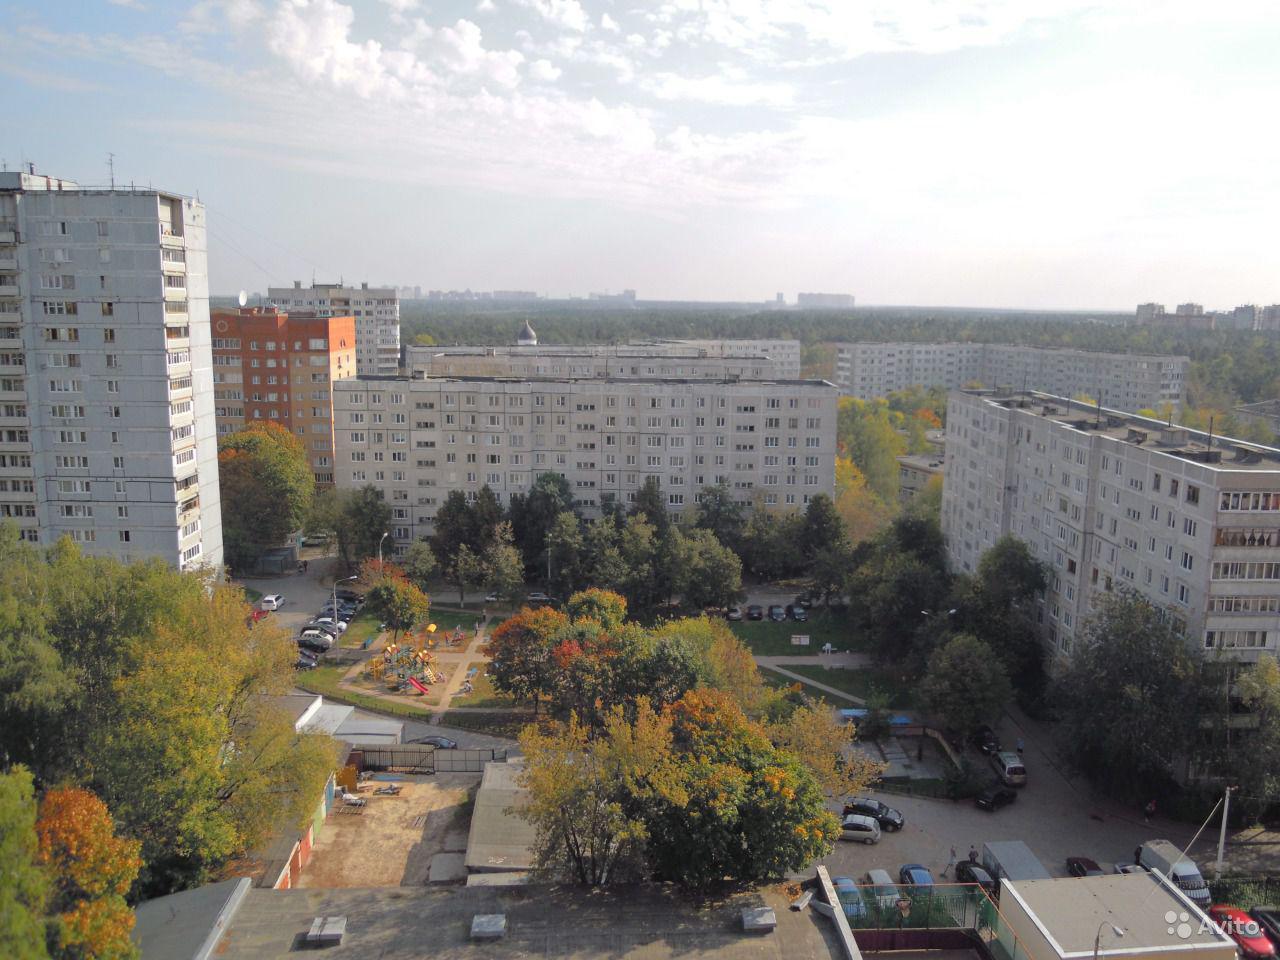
{"type": "Point", "coordinates": [973, 854]}
{"type": "Point", "coordinates": [305, 564]}
{"type": "Point", "coordinates": [1137, 855]}
{"type": "Point", "coordinates": [1020, 746]}
{"type": "Point", "coordinates": [1148, 811]}
{"type": "Point", "coordinates": [950, 863]}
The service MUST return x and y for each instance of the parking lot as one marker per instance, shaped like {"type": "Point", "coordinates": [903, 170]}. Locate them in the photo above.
{"type": "Point", "coordinates": [1054, 815]}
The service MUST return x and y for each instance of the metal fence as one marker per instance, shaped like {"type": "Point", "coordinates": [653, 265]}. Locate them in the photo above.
{"type": "Point", "coordinates": [424, 759]}
{"type": "Point", "coordinates": [1245, 892]}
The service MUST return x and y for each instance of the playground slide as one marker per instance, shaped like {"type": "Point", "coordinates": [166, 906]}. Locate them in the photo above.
{"type": "Point", "coordinates": [419, 685]}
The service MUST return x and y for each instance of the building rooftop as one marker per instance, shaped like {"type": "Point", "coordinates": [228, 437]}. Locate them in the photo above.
{"type": "Point", "coordinates": [300, 707]}
{"type": "Point", "coordinates": [1070, 910]}
{"type": "Point", "coordinates": [500, 839]}
{"type": "Point", "coordinates": [187, 925]}
{"type": "Point", "coordinates": [1011, 346]}
{"type": "Point", "coordinates": [922, 461]}
{"type": "Point", "coordinates": [631, 923]}
{"type": "Point", "coordinates": [355, 382]}
{"type": "Point", "coordinates": [1157, 436]}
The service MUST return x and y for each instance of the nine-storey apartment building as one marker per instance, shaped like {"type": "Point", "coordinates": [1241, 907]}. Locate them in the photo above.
{"type": "Point", "coordinates": [1110, 500]}
{"type": "Point", "coordinates": [772, 442]}
{"type": "Point", "coordinates": [107, 430]}
{"type": "Point", "coordinates": [1121, 380]}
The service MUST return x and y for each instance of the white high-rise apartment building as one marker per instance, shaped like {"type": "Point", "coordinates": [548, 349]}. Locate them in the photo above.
{"type": "Point", "coordinates": [771, 442]}
{"type": "Point", "coordinates": [107, 430]}
{"type": "Point", "coordinates": [1121, 380]}
{"type": "Point", "coordinates": [1110, 500]}
{"type": "Point", "coordinates": [377, 313]}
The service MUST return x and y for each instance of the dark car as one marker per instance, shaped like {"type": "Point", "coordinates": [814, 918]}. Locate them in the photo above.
{"type": "Point", "coordinates": [314, 643]}
{"type": "Point", "coordinates": [733, 613]}
{"type": "Point", "coordinates": [803, 600]}
{"type": "Point", "coordinates": [797, 613]}
{"type": "Point", "coordinates": [995, 797]}
{"type": "Point", "coordinates": [886, 816]}
{"type": "Point", "coordinates": [755, 612]}
{"type": "Point", "coordinates": [1269, 921]}
{"type": "Point", "coordinates": [985, 739]}
{"type": "Point", "coordinates": [915, 876]}
{"type": "Point", "coordinates": [351, 596]}
{"type": "Point", "coordinates": [1083, 867]}
{"type": "Point", "coordinates": [440, 743]}
{"type": "Point", "coordinates": [776, 613]}
{"type": "Point", "coordinates": [967, 872]}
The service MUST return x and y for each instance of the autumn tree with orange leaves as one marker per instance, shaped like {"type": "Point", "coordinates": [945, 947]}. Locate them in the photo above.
{"type": "Point", "coordinates": [91, 870]}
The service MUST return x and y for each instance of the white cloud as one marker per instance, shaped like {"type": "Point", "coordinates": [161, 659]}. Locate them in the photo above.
{"type": "Point", "coordinates": [129, 4]}
{"type": "Point", "coordinates": [486, 6]}
{"type": "Point", "coordinates": [464, 50]}
{"type": "Point", "coordinates": [402, 6]}
{"type": "Point", "coordinates": [544, 70]}
{"type": "Point", "coordinates": [727, 88]}
{"type": "Point", "coordinates": [565, 13]}
{"type": "Point", "coordinates": [608, 23]}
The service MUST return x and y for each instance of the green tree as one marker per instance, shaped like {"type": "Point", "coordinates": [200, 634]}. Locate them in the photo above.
{"type": "Point", "coordinates": [1255, 763]}
{"type": "Point", "coordinates": [23, 884]}
{"type": "Point", "coordinates": [602, 554]}
{"type": "Point", "coordinates": [603, 606]}
{"type": "Point", "coordinates": [822, 531]}
{"type": "Point", "coordinates": [637, 544]}
{"type": "Point", "coordinates": [484, 519]}
{"type": "Point", "coordinates": [866, 434]}
{"type": "Point", "coordinates": [262, 471]}
{"type": "Point", "coordinates": [709, 574]}
{"type": "Point", "coordinates": [419, 563]}
{"type": "Point", "coordinates": [504, 570]}
{"type": "Point", "coordinates": [651, 504]}
{"type": "Point", "coordinates": [720, 513]}
{"type": "Point", "coordinates": [1127, 697]}
{"type": "Point", "coordinates": [362, 518]}
{"type": "Point", "coordinates": [820, 741]}
{"type": "Point", "coordinates": [452, 525]}
{"type": "Point", "coordinates": [400, 603]}
{"type": "Point", "coordinates": [564, 555]}
{"type": "Point", "coordinates": [532, 516]}
{"type": "Point", "coordinates": [966, 684]}
{"type": "Point", "coordinates": [467, 569]}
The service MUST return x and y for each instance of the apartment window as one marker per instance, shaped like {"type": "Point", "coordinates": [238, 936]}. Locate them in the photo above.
{"type": "Point", "coordinates": [1193, 493]}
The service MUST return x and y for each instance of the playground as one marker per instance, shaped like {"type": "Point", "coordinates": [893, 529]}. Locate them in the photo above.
{"type": "Point", "coordinates": [411, 667]}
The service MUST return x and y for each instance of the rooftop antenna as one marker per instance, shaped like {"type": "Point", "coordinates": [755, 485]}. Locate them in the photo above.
{"type": "Point", "coordinates": [111, 168]}
{"type": "Point", "coordinates": [1098, 420]}
{"type": "Point", "coordinates": [1210, 444]}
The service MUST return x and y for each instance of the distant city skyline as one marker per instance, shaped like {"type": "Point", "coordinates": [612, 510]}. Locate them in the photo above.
{"type": "Point", "coordinates": [984, 153]}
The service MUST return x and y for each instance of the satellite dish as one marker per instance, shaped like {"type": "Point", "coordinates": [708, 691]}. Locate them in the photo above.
{"type": "Point", "coordinates": [243, 298]}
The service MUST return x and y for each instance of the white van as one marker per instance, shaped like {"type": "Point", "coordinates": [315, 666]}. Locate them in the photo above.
{"type": "Point", "coordinates": [1164, 856]}
{"type": "Point", "coordinates": [857, 827]}
{"type": "Point", "coordinates": [1009, 768]}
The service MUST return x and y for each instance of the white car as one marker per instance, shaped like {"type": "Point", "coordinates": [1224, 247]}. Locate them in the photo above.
{"type": "Point", "coordinates": [857, 827]}
{"type": "Point", "coordinates": [338, 625]}
{"type": "Point", "coordinates": [882, 888]}
{"type": "Point", "coordinates": [272, 601]}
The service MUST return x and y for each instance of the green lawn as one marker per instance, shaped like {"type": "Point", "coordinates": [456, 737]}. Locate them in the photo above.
{"type": "Point", "coordinates": [779, 682]}
{"type": "Point", "coordinates": [495, 724]}
{"type": "Point", "coordinates": [859, 683]}
{"type": "Point", "coordinates": [324, 681]}
{"type": "Point", "coordinates": [483, 694]}
{"type": "Point", "coordinates": [447, 619]}
{"type": "Point", "coordinates": [766, 638]}
{"type": "Point", "coordinates": [252, 595]}
{"type": "Point", "coordinates": [362, 627]}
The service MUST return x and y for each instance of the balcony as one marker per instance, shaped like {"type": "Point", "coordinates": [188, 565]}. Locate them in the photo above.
{"type": "Point", "coordinates": [1247, 537]}
{"type": "Point", "coordinates": [8, 261]}
{"type": "Point", "coordinates": [9, 290]}
{"type": "Point", "coordinates": [8, 235]}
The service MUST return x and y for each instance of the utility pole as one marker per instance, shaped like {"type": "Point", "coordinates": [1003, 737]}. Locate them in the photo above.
{"type": "Point", "coordinates": [1222, 832]}
{"type": "Point", "coordinates": [111, 168]}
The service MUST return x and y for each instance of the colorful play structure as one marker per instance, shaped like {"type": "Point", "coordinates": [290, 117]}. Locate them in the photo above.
{"type": "Point", "coordinates": [406, 667]}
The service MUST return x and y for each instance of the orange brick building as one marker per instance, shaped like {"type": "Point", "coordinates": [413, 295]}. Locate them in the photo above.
{"type": "Point", "coordinates": [273, 365]}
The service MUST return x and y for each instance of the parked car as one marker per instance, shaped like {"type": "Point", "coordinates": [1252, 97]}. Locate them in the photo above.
{"type": "Point", "coordinates": [886, 816]}
{"type": "Point", "coordinates": [272, 601]}
{"type": "Point", "coordinates": [350, 595]}
{"type": "Point", "coordinates": [803, 600]}
{"type": "Point", "coordinates": [325, 629]}
{"type": "Point", "coordinates": [755, 612]}
{"type": "Point", "coordinates": [1251, 942]}
{"type": "Point", "coordinates": [733, 613]}
{"type": "Point", "coordinates": [985, 739]}
{"type": "Point", "coordinates": [857, 827]}
{"type": "Point", "coordinates": [337, 623]}
{"type": "Point", "coordinates": [914, 876]}
{"type": "Point", "coordinates": [537, 598]}
{"type": "Point", "coordinates": [967, 872]}
{"type": "Point", "coordinates": [1009, 768]}
{"type": "Point", "coordinates": [797, 613]}
{"type": "Point", "coordinates": [1083, 867]}
{"type": "Point", "coordinates": [776, 613]}
{"type": "Point", "coordinates": [440, 743]}
{"type": "Point", "coordinates": [883, 889]}
{"type": "Point", "coordinates": [994, 797]}
{"type": "Point", "coordinates": [850, 897]}
{"type": "Point", "coordinates": [1269, 920]}
{"type": "Point", "coordinates": [491, 597]}
{"type": "Point", "coordinates": [313, 640]}
{"type": "Point", "coordinates": [1128, 868]}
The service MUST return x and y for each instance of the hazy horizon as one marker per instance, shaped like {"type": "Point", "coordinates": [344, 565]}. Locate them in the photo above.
{"type": "Point", "coordinates": [986, 154]}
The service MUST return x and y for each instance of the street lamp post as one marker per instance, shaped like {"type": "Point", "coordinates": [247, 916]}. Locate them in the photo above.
{"type": "Point", "coordinates": [1097, 940]}
{"type": "Point", "coordinates": [335, 593]}
{"type": "Point", "coordinates": [380, 539]}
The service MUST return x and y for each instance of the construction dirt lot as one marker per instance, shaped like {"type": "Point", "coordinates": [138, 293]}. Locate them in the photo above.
{"type": "Point", "coordinates": [391, 840]}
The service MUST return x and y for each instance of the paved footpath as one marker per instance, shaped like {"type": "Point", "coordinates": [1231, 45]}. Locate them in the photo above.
{"type": "Point", "coordinates": [832, 691]}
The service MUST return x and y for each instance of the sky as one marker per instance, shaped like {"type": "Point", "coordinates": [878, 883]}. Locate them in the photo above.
{"type": "Point", "coordinates": [1007, 153]}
